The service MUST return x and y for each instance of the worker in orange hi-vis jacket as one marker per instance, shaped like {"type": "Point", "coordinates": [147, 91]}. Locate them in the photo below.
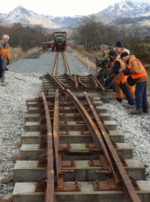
{"type": "Point", "coordinates": [138, 76]}
{"type": "Point", "coordinates": [4, 58]}
{"type": "Point", "coordinates": [121, 81]}
{"type": "Point", "coordinates": [120, 49]}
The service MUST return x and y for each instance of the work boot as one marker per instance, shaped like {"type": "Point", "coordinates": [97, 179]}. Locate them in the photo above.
{"type": "Point", "coordinates": [4, 83]}
{"type": "Point", "coordinates": [136, 112]}
{"type": "Point", "coordinates": [119, 99]}
{"type": "Point", "coordinates": [145, 111]}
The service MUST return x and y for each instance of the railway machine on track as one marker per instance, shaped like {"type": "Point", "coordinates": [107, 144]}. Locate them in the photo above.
{"type": "Point", "coordinates": [60, 40]}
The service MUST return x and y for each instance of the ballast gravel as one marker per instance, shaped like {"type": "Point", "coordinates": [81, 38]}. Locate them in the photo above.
{"type": "Point", "coordinates": [13, 103]}
{"type": "Point", "coordinates": [76, 66]}
{"type": "Point", "coordinates": [45, 63]}
{"type": "Point", "coordinates": [136, 131]}
{"type": "Point", "coordinates": [12, 112]}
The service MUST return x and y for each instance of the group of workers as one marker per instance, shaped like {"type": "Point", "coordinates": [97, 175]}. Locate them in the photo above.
{"type": "Point", "coordinates": [4, 59]}
{"type": "Point", "coordinates": [125, 72]}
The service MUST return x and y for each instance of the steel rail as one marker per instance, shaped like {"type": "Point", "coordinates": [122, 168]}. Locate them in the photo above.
{"type": "Point", "coordinates": [66, 64]}
{"type": "Point", "coordinates": [97, 81]}
{"type": "Point", "coordinates": [98, 140]}
{"type": "Point", "coordinates": [81, 83]}
{"type": "Point", "coordinates": [56, 133]}
{"type": "Point", "coordinates": [50, 197]}
{"type": "Point", "coordinates": [128, 187]}
{"type": "Point", "coordinates": [56, 64]}
{"type": "Point", "coordinates": [74, 79]}
{"type": "Point", "coordinates": [56, 81]}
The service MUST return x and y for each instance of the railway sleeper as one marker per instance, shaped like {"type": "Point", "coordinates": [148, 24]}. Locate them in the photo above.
{"type": "Point", "coordinates": [31, 154]}
{"type": "Point", "coordinates": [77, 151]}
{"type": "Point", "coordinates": [25, 191]}
{"type": "Point", "coordinates": [67, 136]}
{"type": "Point", "coordinates": [28, 171]}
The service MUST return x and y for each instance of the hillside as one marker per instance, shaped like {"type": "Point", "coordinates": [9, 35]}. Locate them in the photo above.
{"type": "Point", "coordinates": [126, 10]}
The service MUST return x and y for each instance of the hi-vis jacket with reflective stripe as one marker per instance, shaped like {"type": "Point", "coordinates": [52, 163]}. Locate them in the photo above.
{"type": "Point", "coordinates": [122, 79]}
{"type": "Point", "coordinates": [4, 50]}
{"type": "Point", "coordinates": [123, 50]}
{"type": "Point", "coordinates": [137, 70]}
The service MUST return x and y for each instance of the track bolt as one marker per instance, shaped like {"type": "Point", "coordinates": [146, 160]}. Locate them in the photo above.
{"type": "Point", "coordinates": [68, 145]}
{"type": "Point", "coordinates": [72, 162]}
{"type": "Point", "coordinates": [97, 184]}
{"type": "Point", "coordinates": [77, 186]}
{"type": "Point", "coordinates": [92, 162]}
{"type": "Point", "coordinates": [87, 144]}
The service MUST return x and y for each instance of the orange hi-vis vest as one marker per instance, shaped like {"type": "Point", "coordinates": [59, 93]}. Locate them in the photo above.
{"type": "Point", "coordinates": [4, 50]}
{"type": "Point", "coordinates": [142, 71]}
{"type": "Point", "coordinates": [122, 50]}
{"type": "Point", "coordinates": [122, 79]}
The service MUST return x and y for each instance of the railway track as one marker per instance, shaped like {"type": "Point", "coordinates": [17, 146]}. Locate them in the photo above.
{"type": "Point", "coordinates": [71, 150]}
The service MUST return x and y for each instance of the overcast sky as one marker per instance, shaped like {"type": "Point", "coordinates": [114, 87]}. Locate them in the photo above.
{"type": "Point", "coordinates": [61, 7]}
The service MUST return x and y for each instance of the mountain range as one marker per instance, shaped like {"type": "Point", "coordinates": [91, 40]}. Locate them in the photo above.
{"type": "Point", "coordinates": [118, 11]}
{"type": "Point", "coordinates": [124, 9]}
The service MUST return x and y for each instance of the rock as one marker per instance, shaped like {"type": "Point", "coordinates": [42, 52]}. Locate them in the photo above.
{"type": "Point", "coordinates": [8, 178]}
{"type": "Point", "coordinates": [6, 198]}
{"type": "Point", "coordinates": [19, 144]}
{"type": "Point", "coordinates": [15, 158]}
{"type": "Point", "coordinates": [136, 131]}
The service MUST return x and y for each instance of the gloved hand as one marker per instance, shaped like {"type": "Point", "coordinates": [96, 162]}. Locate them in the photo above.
{"type": "Point", "coordinates": [123, 70]}
{"type": "Point", "coordinates": [8, 62]}
{"type": "Point", "coordinates": [126, 73]}
{"type": "Point", "coordinates": [6, 69]}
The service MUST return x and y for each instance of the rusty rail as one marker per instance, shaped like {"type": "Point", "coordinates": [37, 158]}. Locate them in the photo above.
{"type": "Point", "coordinates": [97, 81]}
{"type": "Point", "coordinates": [56, 132]}
{"type": "Point", "coordinates": [50, 197]}
{"type": "Point", "coordinates": [81, 83]}
{"type": "Point", "coordinates": [56, 63]}
{"type": "Point", "coordinates": [98, 140]}
{"type": "Point", "coordinates": [56, 81]}
{"type": "Point", "coordinates": [74, 79]}
{"type": "Point", "coordinates": [66, 63]}
{"type": "Point", "coordinates": [128, 187]}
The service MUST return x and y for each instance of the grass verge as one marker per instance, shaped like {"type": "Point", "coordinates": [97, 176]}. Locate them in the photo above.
{"type": "Point", "coordinates": [83, 57]}
{"type": "Point", "coordinates": [17, 53]}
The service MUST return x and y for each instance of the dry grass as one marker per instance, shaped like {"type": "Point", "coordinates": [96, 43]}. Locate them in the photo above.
{"type": "Point", "coordinates": [17, 53]}
{"type": "Point", "coordinates": [83, 57]}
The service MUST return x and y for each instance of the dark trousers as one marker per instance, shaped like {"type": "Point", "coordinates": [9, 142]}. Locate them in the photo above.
{"type": "Point", "coordinates": [108, 82]}
{"type": "Point", "coordinates": [141, 96]}
{"type": "Point", "coordinates": [127, 93]}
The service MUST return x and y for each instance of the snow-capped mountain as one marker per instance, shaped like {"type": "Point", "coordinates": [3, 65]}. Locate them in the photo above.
{"type": "Point", "coordinates": [27, 17]}
{"type": "Point", "coordinates": [124, 9]}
